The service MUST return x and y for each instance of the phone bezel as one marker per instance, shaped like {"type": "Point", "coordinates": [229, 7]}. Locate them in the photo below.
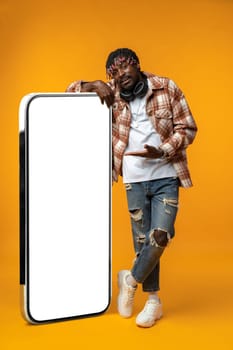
{"type": "Point", "coordinates": [24, 121]}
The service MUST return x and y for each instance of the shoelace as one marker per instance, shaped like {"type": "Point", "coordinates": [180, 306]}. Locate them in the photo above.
{"type": "Point", "coordinates": [130, 296]}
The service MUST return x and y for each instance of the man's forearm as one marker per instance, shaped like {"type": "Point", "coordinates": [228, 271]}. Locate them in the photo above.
{"type": "Point", "coordinates": [101, 88]}
{"type": "Point", "coordinates": [88, 86]}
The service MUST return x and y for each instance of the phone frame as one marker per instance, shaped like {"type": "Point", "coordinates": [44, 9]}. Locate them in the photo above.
{"type": "Point", "coordinates": [25, 207]}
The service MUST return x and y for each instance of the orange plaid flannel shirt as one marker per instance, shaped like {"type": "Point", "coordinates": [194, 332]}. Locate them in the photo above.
{"type": "Point", "coordinates": [171, 117]}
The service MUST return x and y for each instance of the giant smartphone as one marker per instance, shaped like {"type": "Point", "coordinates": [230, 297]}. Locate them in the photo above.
{"type": "Point", "coordinates": [65, 206]}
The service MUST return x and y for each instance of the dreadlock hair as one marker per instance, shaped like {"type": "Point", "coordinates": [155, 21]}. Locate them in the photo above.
{"type": "Point", "coordinates": [123, 54]}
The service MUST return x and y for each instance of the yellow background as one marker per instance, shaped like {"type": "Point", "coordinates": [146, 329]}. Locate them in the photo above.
{"type": "Point", "coordinates": [47, 44]}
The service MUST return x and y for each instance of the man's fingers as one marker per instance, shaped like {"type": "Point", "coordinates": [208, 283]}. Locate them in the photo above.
{"type": "Point", "coordinates": [138, 153]}
{"type": "Point", "coordinates": [106, 100]}
{"type": "Point", "coordinates": [149, 152]}
{"type": "Point", "coordinates": [109, 99]}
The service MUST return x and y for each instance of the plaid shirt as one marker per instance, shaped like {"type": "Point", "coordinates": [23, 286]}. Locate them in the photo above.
{"type": "Point", "coordinates": [171, 117]}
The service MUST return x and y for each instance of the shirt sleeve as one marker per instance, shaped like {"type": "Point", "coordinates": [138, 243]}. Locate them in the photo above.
{"type": "Point", "coordinates": [75, 86]}
{"type": "Point", "coordinates": [184, 126]}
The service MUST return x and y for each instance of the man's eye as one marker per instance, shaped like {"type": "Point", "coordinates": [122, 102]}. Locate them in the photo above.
{"type": "Point", "coordinates": [124, 66]}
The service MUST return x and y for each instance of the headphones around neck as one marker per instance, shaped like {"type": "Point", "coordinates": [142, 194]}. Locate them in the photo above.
{"type": "Point", "coordinates": [139, 90]}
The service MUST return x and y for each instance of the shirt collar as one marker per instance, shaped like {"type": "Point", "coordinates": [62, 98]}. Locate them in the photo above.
{"type": "Point", "coordinates": [154, 82]}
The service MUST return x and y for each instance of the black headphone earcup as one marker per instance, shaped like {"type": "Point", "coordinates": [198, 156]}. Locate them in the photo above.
{"type": "Point", "coordinates": [140, 89]}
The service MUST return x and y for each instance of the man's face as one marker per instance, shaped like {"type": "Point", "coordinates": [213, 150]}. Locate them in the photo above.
{"type": "Point", "coordinates": [126, 75]}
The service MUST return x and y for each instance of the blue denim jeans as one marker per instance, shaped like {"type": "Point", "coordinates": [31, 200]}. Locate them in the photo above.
{"type": "Point", "coordinates": [153, 207]}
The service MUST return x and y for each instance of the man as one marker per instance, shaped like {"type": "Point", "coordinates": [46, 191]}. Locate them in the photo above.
{"type": "Point", "coordinates": [152, 127]}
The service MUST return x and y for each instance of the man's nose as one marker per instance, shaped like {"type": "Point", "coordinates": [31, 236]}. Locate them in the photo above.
{"type": "Point", "coordinates": [121, 72]}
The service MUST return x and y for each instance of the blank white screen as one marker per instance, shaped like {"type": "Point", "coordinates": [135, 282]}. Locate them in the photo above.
{"type": "Point", "coordinates": [68, 173]}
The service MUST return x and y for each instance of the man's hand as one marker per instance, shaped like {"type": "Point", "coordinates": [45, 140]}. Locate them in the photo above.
{"type": "Point", "coordinates": [104, 92]}
{"type": "Point", "coordinates": [148, 152]}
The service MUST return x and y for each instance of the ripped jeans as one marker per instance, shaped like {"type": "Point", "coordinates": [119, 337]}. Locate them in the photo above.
{"type": "Point", "coordinates": [153, 207]}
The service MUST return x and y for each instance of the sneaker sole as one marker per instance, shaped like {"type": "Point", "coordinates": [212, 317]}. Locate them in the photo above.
{"type": "Point", "coordinates": [149, 324]}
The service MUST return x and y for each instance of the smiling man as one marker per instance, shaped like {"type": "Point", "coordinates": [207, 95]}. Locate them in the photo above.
{"type": "Point", "coordinates": [152, 127]}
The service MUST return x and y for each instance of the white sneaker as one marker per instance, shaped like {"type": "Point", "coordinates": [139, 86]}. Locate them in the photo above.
{"type": "Point", "coordinates": [152, 311]}
{"type": "Point", "coordinates": [126, 295]}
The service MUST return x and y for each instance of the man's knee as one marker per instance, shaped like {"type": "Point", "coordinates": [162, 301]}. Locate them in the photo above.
{"type": "Point", "coordinates": [159, 238]}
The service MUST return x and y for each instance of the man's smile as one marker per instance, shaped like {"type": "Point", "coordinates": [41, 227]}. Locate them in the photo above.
{"type": "Point", "coordinates": [125, 81]}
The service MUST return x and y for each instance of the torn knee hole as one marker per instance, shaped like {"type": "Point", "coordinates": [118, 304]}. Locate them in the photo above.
{"type": "Point", "coordinates": [159, 238]}
{"type": "Point", "coordinates": [136, 214]}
